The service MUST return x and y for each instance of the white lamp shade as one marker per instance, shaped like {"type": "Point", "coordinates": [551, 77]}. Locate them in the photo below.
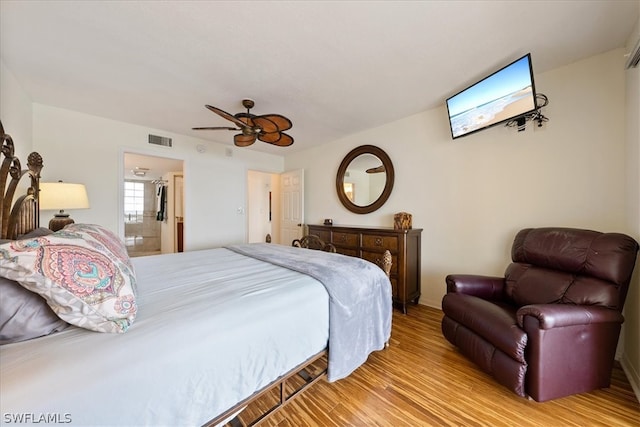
{"type": "Point", "coordinates": [62, 195]}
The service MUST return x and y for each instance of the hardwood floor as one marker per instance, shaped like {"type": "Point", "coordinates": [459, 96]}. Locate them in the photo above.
{"type": "Point", "coordinates": [421, 380]}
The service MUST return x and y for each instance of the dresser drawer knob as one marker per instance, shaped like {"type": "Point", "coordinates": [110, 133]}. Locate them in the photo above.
{"type": "Point", "coordinates": [378, 241]}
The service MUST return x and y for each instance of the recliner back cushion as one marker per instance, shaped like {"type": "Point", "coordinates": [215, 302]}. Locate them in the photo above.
{"type": "Point", "coordinates": [565, 265]}
{"type": "Point", "coordinates": [527, 284]}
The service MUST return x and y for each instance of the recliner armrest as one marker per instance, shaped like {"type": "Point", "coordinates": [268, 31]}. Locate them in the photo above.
{"type": "Point", "coordinates": [485, 287]}
{"type": "Point", "coordinates": [558, 315]}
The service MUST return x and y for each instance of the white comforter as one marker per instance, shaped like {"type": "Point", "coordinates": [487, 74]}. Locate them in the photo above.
{"type": "Point", "coordinates": [213, 326]}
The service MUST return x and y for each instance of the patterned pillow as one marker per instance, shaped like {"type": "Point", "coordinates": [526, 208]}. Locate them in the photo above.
{"type": "Point", "coordinates": [83, 271]}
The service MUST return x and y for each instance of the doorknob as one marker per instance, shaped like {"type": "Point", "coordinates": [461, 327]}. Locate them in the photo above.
{"type": "Point", "coordinates": [299, 225]}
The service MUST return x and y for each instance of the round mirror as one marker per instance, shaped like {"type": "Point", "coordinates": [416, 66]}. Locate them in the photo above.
{"type": "Point", "coordinates": [365, 179]}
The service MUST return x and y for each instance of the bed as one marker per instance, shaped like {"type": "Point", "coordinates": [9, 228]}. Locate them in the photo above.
{"type": "Point", "coordinates": [181, 339]}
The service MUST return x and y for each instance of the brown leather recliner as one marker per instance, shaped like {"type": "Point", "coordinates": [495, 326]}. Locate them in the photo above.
{"type": "Point", "coordinates": [549, 328]}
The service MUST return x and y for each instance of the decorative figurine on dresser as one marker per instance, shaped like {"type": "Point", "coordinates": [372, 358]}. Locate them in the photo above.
{"type": "Point", "coordinates": [370, 243]}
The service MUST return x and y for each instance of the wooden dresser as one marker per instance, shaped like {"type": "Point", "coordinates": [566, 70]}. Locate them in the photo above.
{"type": "Point", "coordinates": [370, 242]}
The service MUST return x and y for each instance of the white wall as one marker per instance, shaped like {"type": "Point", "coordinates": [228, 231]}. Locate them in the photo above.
{"type": "Point", "coordinates": [82, 148]}
{"type": "Point", "coordinates": [472, 195]}
{"type": "Point", "coordinates": [16, 113]}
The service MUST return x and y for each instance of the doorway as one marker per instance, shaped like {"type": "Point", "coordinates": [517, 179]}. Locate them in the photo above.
{"type": "Point", "coordinates": [262, 212]}
{"type": "Point", "coordinates": [153, 212]}
{"type": "Point", "coordinates": [275, 206]}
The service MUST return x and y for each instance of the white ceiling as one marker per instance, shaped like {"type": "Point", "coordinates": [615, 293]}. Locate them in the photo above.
{"type": "Point", "coordinates": [334, 68]}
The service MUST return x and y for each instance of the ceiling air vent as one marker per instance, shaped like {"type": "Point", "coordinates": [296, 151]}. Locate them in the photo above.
{"type": "Point", "coordinates": [634, 57]}
{"type": "Point", "coordinates": [159, 140]}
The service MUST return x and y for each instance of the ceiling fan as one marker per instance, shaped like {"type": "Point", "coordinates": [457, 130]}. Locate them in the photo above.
{"type": "Point", "coordinates": [267, 128]}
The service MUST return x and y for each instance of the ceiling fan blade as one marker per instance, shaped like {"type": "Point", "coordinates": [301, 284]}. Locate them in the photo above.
{"type": "Point", "coordinates": [276, 138]}
{"type": "Point", "coordinates": [242, 140]}
{"type": "Point", "coordinates": [284, 141]}
{"type": "Point", "coordinates": [266, 124]}
{"type": "Point", "coordinates": [227, 116]}
{"type": "Point", "coordinates": [272, 123]}
{"type": "Point", "coordinates": [215, 128]}
{"type": "Point", "coordinates": [377, 169]}
{"type": "Point", "coordinates": [269, 137]}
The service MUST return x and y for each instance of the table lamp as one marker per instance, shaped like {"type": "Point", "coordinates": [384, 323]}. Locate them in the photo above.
{"type": "Point", "coordinates": [60, 196]}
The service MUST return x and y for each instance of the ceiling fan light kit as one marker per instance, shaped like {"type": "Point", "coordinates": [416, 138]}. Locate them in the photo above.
{"type": "Point", "coordinates": [267, 128]}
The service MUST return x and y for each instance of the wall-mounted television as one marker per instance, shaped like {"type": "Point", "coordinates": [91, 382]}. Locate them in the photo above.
{"type": "Point", "coordinates": [504, 95]}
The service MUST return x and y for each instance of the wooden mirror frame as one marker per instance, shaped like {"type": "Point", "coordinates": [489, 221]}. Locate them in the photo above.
{"type": "Point", "coordinates": [388, 186]}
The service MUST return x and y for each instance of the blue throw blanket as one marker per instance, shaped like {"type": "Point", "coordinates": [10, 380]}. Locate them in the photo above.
{"type": "Point", "coordinates": [360, 305]}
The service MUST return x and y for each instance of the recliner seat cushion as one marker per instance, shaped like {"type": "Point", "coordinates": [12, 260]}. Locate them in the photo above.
{"type": "Point", "coordinates": [495, 322]}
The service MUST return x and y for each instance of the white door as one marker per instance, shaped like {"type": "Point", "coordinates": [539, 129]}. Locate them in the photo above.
{"type": "Point", "coordinates": [292, 212]}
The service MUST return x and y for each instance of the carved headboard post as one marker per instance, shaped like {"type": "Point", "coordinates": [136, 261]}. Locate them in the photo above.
{"type": "Point", "coordinates": [22, 215]}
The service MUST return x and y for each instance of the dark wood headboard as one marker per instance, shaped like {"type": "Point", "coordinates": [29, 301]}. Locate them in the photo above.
{"type": "Point", "coordinates": [21, 215]}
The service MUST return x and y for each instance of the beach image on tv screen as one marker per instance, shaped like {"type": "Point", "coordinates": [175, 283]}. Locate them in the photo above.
{"type": "Point", "coordinates": [502, 96]}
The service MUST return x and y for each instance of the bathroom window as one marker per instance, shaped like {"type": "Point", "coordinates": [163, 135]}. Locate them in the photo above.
{"type": "Point", "coordinates": [133, 201]}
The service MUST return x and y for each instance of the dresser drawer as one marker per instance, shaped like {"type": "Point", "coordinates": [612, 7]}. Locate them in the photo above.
{"type": "Point", "coordinates": [345, 239]}
{"type": "Point", "coordinates": [325, 236]}
{"type": "Point", "coordinates": [371, 241]}
{"type": "Point", "coordinates": [347, 251]}
{"type": "Point", "coordinates": [376, 258]}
